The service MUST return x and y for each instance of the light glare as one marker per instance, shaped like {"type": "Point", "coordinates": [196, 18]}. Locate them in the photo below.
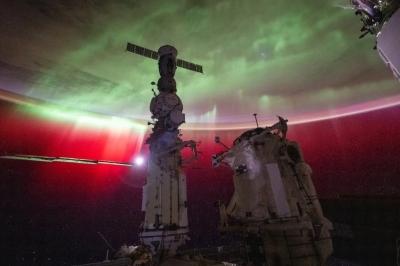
{"type": "Point", "coordinates": [139, 161]}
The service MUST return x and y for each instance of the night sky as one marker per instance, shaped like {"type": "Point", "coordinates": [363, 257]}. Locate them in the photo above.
{"type": "Point", "coordinates": [68, 89]}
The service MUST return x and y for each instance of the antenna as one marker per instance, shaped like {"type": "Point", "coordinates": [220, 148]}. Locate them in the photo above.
{"type": "Point", "coordinates": [106, 242]}
{"type": "Point", "coordinates": [218, 140]}
{"type": "Point", "coordinates": [255, 116]}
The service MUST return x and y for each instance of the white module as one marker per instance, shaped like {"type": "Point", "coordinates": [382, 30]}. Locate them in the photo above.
{"type": "Point", "coordinates": [274, 200]}
{"type": "Point", "coordinates": [388, 44]}
{"type": "Point", "coordinates": [164, 202]}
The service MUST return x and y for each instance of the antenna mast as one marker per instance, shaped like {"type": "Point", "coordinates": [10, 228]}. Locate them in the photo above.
{"type": "Point", "coordinates": [255, 116]}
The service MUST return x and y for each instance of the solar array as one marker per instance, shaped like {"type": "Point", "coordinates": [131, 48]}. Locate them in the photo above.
{"type": "Point", "coordinates": [133, 48]}
{"type": "Point", "coordinates": [61, 159]}
{"type": "Point", "coordinates": [141, 51]}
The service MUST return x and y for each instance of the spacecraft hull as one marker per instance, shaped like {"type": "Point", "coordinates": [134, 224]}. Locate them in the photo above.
{"type": "Point", "coordinates": [388, 43]}
{"type": "Point", "coordinates": [274, 206]}
{"type": "Point", "coordinates": [164, 202]}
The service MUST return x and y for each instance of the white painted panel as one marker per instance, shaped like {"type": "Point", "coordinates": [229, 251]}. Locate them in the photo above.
{"type": "Point", "coordinates": [388, 43]}
{"type": "Point", "coordinates": [166, 202]}
{"type": "Point", "coordinates": [174, 200]}
{"type": "Point", "coordinates": [183, 219]}
{"type": "Point", "coordinates": [144, 198]}
{"type": "Point", "coordinates": [278, 190]}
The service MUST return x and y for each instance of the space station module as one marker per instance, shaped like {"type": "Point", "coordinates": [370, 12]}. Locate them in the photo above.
{"type": "Point", "coordinates": [274, 205]}
{"type": "Point", "coordinates": [164, 202]}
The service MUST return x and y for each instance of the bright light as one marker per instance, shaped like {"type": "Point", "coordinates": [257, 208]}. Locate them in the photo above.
{"type": "Point", "coordinates": [139, 161]}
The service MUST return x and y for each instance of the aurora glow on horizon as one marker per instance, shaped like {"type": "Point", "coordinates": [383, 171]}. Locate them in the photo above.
{"type": "Point", "coordinates": [301, 60]}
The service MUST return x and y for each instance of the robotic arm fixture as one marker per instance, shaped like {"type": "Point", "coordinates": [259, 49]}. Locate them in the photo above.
{"type": "Point", "coordinates": [374, 14]}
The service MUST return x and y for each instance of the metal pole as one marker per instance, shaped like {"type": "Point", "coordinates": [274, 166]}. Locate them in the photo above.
{"type": "Point", "coordinates": [255, 116]}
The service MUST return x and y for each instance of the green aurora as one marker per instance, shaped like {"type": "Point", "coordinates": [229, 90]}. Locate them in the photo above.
{"type": "Point", "coordinates": [301, 59]}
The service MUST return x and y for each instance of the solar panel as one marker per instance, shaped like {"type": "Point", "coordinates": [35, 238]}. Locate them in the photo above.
{"type": "Point", "coordinates": [190, 66]}
{"type": "Point", "coordinates": [154, 55]}
{"type": "Point", "coordinates": [141, 51]}
{"type": "Point", "coordinates": [61, 159]}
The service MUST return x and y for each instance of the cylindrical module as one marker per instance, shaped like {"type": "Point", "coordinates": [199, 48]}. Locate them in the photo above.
{"type": "Point", "coordinates": [275, 206]}
{"type": "Point", "coordinates": [165, 225]}
{"type": "Point", "coordinates": [144, 198]}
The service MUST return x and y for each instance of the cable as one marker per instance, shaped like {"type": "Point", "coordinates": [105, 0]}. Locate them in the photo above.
{"type": "Point", "coordinates": [106, 241]}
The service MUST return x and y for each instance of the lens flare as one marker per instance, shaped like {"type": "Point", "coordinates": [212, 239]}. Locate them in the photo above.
{"type": "Point", "coordinates": [139, 161]}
